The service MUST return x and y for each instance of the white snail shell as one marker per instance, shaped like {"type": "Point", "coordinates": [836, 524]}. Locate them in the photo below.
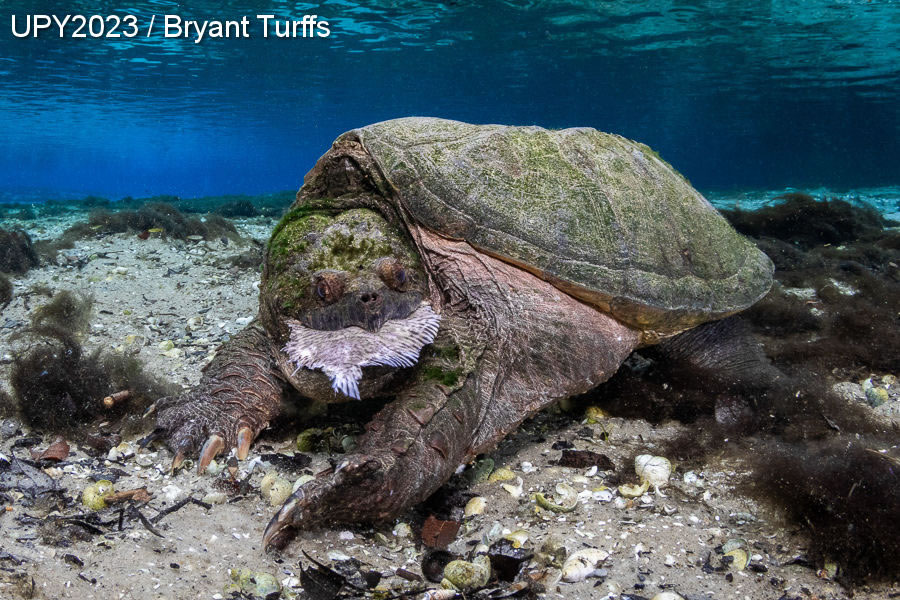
{"type": "Point", "coordinates": [654, 470]}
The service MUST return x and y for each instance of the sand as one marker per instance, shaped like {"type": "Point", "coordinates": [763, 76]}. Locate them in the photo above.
{"type": "Point", "coordinates": [152, 288]}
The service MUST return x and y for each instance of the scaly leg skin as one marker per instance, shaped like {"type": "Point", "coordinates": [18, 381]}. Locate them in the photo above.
{"type": "Point", "coordinates": [521, 344]}
{"type": "Point", "coordinates": [240, 392]}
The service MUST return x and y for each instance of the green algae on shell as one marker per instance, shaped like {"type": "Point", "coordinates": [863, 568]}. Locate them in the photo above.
{"type": "Point", "coordinates": [256, 584]}
{"type": "Point", "coordinates": [94, 496]}
{"type": "Point", "coordinates": [566, 499]}
{"type": "Point", "coordinates": [465, 575]}
{"type": "Point", "coordinates": [599, 216]}
{"type": "Point", "coordinates": [737, 550]}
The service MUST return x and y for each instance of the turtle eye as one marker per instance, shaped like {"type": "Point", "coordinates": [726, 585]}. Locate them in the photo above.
{"type": "Point", "coordinates": [328, 287]}
{"type": "Point", "coordinates": [392, 273]}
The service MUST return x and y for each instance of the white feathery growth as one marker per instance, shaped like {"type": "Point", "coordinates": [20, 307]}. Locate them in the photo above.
{"type": "Point", "coordinates": [343, 353]}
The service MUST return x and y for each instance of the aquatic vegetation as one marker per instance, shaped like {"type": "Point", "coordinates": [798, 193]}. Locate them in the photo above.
{"type": "Point", "coordinates": [66, 316]}
{"type": "Point", "coordinates": [848, 494]}
{"type": "Point", "coordinates": [238, 208]}
{"type": "Point", "coordinates": [233, 206]}
{"type": "Point", "coordinates": [58, 385]}
{"type": "Point", "coordinates": [806, 222]}
{"type": "Point", "coordinates": [160, 215]}
{"type": "Point", "coordinates": [849, 306]}
{"type": "Point", "coordinates": [832, 314]}
{"type": "Point", "coordinates": [155, 217]}
{"type": "Point", "coordinates": [17, 253]}
{"type": "Point", "coordinates": [6, 291]}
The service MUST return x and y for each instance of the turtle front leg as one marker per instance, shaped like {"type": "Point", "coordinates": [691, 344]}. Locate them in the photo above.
{"type": "Point", "coordinates": [239, 394]}
{"type": "Point", "coordinates": [410, 449]}
{"type": "Point", "coordinates": [523, 344]}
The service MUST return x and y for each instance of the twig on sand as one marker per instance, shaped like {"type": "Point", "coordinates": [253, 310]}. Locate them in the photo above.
{"type": "Point", "coordinates": [134, 511]}
{"type": "Point", "coordinates": [178, 505]}
{"type": "Point", "coordinates": [116, 398]}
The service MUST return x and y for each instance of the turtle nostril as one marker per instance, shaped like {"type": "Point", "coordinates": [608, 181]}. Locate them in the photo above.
{"type": "Point", "coordinates": [369, 298]}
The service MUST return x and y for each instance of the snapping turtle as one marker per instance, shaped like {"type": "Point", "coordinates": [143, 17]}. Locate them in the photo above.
{"type": "Point", "coordinates": [473, 275]}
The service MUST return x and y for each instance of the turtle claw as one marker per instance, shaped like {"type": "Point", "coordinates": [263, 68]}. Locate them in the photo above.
{"type": "Point", "coordinates": [279, 531]}
{"type": "Point", "coordinates": [244, 439]}
{"type": "Point", "coordinates": [355, 490]}
{"type": "Point", "coordinates": [306, 507]}
{"type": "Point", "coordinates": [150, 410]}
{"type": "Point", "coordinates": [213, 446]}
{"type": "Point", "coordinates": [177, 461]}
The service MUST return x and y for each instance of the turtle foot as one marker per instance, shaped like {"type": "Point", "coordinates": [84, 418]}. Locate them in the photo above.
{"type": "Point", "coordinates": [208, 424]}
{"type": "Point", "coordinates": [358, 489]}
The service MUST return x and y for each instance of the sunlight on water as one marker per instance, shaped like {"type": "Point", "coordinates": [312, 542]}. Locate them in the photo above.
{"type": "Point", "coordinates": [733, 94]}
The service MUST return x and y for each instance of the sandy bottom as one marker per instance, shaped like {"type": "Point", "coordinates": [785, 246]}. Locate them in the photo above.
{"type": "Point", "coordinates": [151, 289]}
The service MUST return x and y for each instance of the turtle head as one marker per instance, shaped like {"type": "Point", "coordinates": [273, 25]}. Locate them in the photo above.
{"type": "Point", "coordinates": [343, 292]}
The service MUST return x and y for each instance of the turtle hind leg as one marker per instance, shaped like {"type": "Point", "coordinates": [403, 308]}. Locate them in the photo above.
{"type": "Point", "coordinates": [725, 363]}
{"type": "Point", "coordinates": [725, 351]}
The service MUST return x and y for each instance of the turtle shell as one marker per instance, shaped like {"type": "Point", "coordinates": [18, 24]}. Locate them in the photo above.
{"type": "Point", "coordinates": [602, 217]}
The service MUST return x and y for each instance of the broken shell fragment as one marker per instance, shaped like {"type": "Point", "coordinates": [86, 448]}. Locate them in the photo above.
{"type": "Point", "coordinates": [442, 594]}
{"type": "Point", "coordinates": [215, 467]}
{"type": "Point", "coordinates": [654, 470]}
{"type": "Point", "coordinates": [464, 575]}
{"type": "Point", "coordinates": [667, 596]}
{"type": "Point", "coordinates": [275, 488]}
{"type": "Point", "coordinates": [517, 537]}
{"type": "Point", "coordinates": [348, 443]}
{"type": "Point", "coordinates": [630, 490]}
{"type": "Point", "coordinates": [552, 553]}
{"type": "Point", "coordinates": [121, 452]}
{"type": "Point", "coordinates": [566, 499]}
{"type": "Point", "coordinates": [94, 496]}
{"type": "Point", "coordinates": [215, 498]}
{"type": "Point", "coordinates": [475, 506]}
{"type": "Point", "coordinates": [402, 530]}
{"type": "Point", "coordinates": [737, 549]}
{"type": "Point", "coordinates": [144, 460]}
{"type": "Point", "coordinates": [583, 564]}
{"type": "Point", "coordinates": [514, 490]}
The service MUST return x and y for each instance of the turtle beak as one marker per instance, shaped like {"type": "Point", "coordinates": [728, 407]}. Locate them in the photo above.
{"type": "Point", "coordinates": [368, 308]}
{"type": "Point", "coordinates": [371, 314]}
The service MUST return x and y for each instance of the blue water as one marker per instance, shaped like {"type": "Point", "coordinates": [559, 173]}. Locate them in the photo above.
{"type": "Point", "coordinates": [735, 94]}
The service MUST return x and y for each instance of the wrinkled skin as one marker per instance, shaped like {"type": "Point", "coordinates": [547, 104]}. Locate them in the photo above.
{"type": "Point", "coordinates": [480, 378]}
{"type": "Point", "coordinates": [363, 296]}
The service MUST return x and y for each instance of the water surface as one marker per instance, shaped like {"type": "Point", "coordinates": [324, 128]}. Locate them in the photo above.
{"type": "Point", "coordinates": [734, 94]}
